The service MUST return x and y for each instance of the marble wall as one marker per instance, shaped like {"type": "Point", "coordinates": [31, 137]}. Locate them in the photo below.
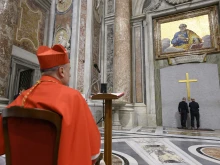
{"type": "Point", "coordinates": [63, 24]}
{"type": "Point", "coordinates": [144, 11]}
{"type": "Point", "coordinates": [96, 59]}
{"type": "Point", "coordinates": [8, 17]}
{"type": "Point", "coordinates": [138, 63]}
{"type": "Point", "coordinates": [159, 64]}
{"type": "Point", "coordinates": [82, 40]}
{"type": "Point", "coordinates": [205, 92]}
{"type": "Point", "coordinates": [110, 7]}
{"type": "Point", "coordinates": [63, 19]}
{"type": "Point", "coordinates": [30, 25]}
{"type": "Point", "coordinates": [110, 54]}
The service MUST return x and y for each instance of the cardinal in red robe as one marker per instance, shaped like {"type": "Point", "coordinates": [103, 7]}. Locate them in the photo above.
{"type": "Point", "coordinates": [80, 138]}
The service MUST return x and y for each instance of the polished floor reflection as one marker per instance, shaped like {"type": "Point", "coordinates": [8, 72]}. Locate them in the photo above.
{"type": "Point", "coordinates": [162, 145]}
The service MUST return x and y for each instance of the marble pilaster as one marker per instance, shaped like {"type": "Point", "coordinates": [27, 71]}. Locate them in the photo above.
{"type": "Point", "coordinates": [82, 47]}
{"type": "Point", "coordinates": [74, 42]}
{"type": "Point", "coordinates": [122, 50]}
{"type": "Point", "coordinates": [88, 49]}
{"type": "Point", "coordinates": [8, 18]}
{"type": "Point", "coordinates": [52, 19]}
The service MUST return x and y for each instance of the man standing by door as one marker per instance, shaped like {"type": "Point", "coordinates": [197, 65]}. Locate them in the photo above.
{"type": "Point", "coordinates": [183, 110]}
{"type": "Point", "coordinates": [194, 111]}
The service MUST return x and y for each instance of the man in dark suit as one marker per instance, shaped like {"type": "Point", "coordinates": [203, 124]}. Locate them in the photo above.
{"type": "Point", "coordinates": [194, 111]}
{"type": "Point", "coordinates": [183, 110]}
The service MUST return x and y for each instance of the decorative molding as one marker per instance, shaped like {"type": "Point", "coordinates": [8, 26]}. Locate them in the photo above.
{"type": "Point", "coordinates": [45, 4]}
{"type": "Point", "coordinates": [24, 55]}
{"type": "Point", "coordinates": [137, 7]}
{"type": "Point", "coordinates": [63, 5]}
{"type": "Point", "coordinates": [110, 7]}
{"type": "Point", "coordinates": [21, 58]}
{"type": "Point", "coordinates": [157, 5]}
{"type": "Point", "coordinates": [187, 59]}
{"type": "Point", "coordinates": [176, 2]}
{"type": "Point", "coordinates": [98, 10]}
{"type": "Point", "coordinates": [153, 7]}
{"type": "Point", "coordinates": [62, 36]}
{"type": "Point", "coordinates": [26, 24]}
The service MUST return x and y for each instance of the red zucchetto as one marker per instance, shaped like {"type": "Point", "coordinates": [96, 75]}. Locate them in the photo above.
{"type": "Point", "coordinates": [52, 57]}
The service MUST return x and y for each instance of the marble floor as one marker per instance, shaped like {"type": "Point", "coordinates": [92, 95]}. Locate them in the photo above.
{"type": "Point", "coordinates": [163, 146]}
{"type": "Point", "coordinates": [169, 146]}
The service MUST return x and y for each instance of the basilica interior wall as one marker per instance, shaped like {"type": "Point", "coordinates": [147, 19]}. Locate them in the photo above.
{"type": "Point", "coordinates": [165, 9]}
{"type": "Point", "coordinates": [82, 41]}
{"type": "Point", "coordinates": [29, 34]}
{"type": "Point", "coordinates": [23, 24]}
{"type": "Point", "coordinates": [96, 46]}
{"type": "Point", "coordinates": [143, 13]}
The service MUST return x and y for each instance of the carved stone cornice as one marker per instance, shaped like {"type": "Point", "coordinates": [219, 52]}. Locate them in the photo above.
{"type": "Point", "coordinates": [176, 2]}
{"type": "Point", "coordinates": [187, 59]}
{"type": "Point", "coordinates": [154, 5]}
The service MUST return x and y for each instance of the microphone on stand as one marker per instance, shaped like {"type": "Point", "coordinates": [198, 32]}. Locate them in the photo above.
{"type": "Point", "coordinates": [103, 90]}
{"type": "Point", "coordinates": [97, 68]}
{"type": "Point", "coordinates": [103, 85]}
{"type": "Point", "coordinates": [93, 82]}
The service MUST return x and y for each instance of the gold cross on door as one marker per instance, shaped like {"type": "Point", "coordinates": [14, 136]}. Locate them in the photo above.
{"type": "Point", "coordinates": [188, 81]}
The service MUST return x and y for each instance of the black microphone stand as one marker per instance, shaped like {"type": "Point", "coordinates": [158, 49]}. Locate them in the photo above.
{"type": "Point", "coordinates": [103, 113]}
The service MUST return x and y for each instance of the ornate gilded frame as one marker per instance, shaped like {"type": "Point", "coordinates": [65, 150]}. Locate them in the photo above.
{"type": "Point", "coordinates": [212, 13]}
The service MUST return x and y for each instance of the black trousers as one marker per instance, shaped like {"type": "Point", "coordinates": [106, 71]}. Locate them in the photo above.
{"type": "Point", "coordinates": [183, 119]}
{"type": "Point", "coordinates": [193, 116]}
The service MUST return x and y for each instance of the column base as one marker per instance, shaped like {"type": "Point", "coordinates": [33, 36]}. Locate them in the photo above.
{"type": "Point", "coordinates": [115, 127]}
{"type": "Point", "coordinates": [151, 120]}
{"type": "Point", "coordinates": [127, 116]}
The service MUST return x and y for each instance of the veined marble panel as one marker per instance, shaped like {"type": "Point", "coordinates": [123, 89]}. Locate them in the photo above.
{"type": "Point", "coordinates": [138, 64]}
{"type": "Point", "coordinates": [110, 7]}
{"type": "Point", "coordinates": [7, 34]}
{"type": "Point", "coordinates": [82, 41]}
{"type": "Point", "coordinates": [62, 30]}
{"type": "Point", "coordinates": [110, 54]}
{"type": "Point", "coordinates": [95, 53]}
{"type": "Point", "coordinates": [63, 19]}
{"type": "Point", "coordinates": [158, 65]}
{"type": "Point", "coordinates": [63, 5]}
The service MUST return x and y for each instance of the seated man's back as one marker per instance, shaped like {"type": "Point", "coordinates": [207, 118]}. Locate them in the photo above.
{"type": "Point", "coordinates": [80, 137]}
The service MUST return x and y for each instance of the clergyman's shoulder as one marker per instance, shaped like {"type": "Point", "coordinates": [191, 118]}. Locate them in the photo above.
{"type": "Point", "coordinates": [70, 91]}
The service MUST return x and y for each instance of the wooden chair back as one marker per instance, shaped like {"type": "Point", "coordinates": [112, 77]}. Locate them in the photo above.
{"type": "Point", "coordinates": [31, 136]}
